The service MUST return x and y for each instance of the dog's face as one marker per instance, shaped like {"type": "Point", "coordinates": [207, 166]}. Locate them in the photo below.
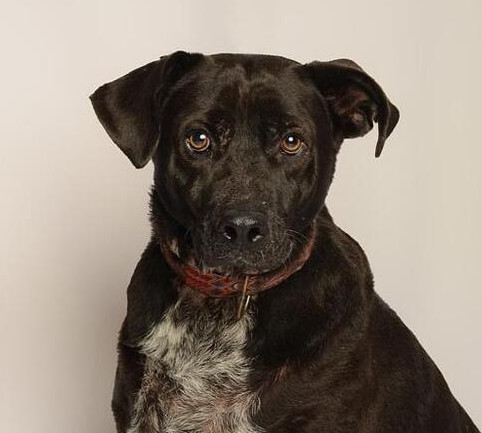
{"type": "Point", "coordinates": [244, 146]}
{"type": "Point", "coordinates": [245, 151]}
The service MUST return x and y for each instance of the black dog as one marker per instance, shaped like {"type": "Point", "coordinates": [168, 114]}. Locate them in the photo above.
{"type": "Point", "coordinates": [250, 310]}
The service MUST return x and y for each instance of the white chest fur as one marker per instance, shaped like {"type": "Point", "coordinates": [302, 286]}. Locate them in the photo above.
{"type": "Point", "coordinates": [196, 372]}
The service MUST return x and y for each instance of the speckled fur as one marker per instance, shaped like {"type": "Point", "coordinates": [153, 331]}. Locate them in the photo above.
{"type": "Point", "coordinates": [196, 371]}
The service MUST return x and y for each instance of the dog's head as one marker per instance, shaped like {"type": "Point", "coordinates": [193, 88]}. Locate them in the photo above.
{"type": "Point", "coordinates": [244, 146]}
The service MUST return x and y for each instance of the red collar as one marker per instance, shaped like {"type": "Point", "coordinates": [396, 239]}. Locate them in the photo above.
{"type": "Point", "coordinates": [222, 286]}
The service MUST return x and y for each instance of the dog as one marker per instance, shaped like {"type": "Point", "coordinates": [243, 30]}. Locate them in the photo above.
{"type": "Point", "coordinates": [250, 311]}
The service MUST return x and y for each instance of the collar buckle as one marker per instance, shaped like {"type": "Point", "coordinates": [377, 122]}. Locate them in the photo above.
{"type": "Point", "coordinates": [244, 299]}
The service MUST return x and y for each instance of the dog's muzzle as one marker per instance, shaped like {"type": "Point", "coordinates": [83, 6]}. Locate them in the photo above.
{"type": "Point", "coordinates": [242, 242]}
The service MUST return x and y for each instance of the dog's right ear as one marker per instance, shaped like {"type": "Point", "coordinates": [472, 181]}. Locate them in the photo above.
{"type": "Point", "coordinates": [129, 107]}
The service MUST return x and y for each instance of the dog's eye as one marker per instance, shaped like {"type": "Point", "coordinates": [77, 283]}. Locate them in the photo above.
{"type": "Point", "coordinates": [198, 140]}
{"type": "Point", "coordinates": [291, 144]}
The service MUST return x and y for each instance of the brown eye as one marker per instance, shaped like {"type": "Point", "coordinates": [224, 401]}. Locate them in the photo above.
{"type": "Point", "coordinates": [198, 141]}
{"type": "Point", "coordinates": [291, 144]}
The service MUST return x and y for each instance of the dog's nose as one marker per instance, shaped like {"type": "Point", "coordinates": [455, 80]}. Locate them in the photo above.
{"type": "Point", "coordinates": [244, 230]}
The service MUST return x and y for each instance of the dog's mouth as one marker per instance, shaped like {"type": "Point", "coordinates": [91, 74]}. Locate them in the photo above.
{"type": "Point", "coordinates": [239, 264]}
{"type": "Point", "coordinates": [211, 257]}
{"type": "Point", "coordinates": [232, 264]}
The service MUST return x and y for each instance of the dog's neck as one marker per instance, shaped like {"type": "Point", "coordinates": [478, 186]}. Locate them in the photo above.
{"type": "Point", "coordinates": [334, 286]}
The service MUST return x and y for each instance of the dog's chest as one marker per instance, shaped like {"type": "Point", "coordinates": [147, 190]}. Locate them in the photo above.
{"type": "Point", "coordinates": [196, 373]}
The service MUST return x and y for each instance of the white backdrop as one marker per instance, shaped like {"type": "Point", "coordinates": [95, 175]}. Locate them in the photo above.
{"type": "Point", "coordinates": [73, 210]}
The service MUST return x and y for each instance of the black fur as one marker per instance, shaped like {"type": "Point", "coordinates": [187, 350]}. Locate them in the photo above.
{"type": "Point", "coordinates": [329, 355]}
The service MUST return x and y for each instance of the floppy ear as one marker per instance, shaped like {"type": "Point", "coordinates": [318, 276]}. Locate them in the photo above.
{"type": "Point", "coordinates": [129, 107]}
{"type": "Point", "coordinates": [355, 100]}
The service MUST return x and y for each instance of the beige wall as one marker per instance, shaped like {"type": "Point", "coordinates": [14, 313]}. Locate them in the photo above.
{"type": "Point", "coordinates": [73, 211]}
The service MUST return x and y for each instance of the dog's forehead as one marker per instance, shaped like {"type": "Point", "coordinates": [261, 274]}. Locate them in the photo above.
{"type": "Point", "coordinates": [250, 69]}
{"type": "Point", "coordinates": [244, 82]}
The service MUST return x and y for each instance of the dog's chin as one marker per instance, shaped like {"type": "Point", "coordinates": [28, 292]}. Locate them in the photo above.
{"type": "Point", "coordinates": [237, 267]}
{"type": "Point", "coordinates": [241, 265]}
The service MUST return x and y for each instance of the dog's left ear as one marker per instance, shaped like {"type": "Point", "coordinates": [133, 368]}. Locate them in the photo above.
{"type": "Point", "coordinates": [355, 100]}
{"type": "Point", "coordinates": [129, 107]}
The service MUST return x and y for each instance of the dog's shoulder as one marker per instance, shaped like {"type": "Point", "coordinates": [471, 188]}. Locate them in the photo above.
{"type": "Point", "coordinates": [406, 383]}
